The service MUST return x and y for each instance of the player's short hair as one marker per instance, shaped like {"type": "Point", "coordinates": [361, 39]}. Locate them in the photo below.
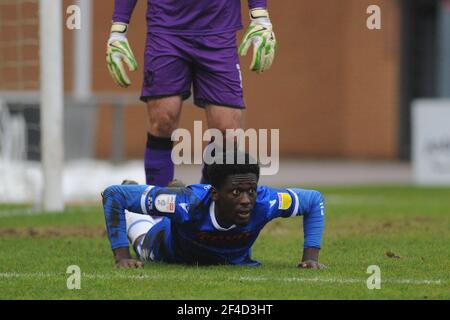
{"type": "Point", "coordinates": [218, 171]}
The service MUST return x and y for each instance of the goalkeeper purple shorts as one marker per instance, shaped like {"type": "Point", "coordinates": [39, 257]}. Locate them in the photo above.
{"type": "Point", "coordinates": [208, 64]}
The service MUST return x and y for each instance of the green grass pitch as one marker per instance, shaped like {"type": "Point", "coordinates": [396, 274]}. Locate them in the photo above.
{"type": "Point", "coordinates": [403, 230]}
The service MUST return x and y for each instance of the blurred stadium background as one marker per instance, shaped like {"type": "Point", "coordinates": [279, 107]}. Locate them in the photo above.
{"type": "Point", "coordinates": [340, 94]}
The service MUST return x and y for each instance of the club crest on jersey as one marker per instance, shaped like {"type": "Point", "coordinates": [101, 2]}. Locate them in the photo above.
{"type": "Point", "coordinates": [165, 203]}
{"type": "Point", "coordinates": [284, 201]}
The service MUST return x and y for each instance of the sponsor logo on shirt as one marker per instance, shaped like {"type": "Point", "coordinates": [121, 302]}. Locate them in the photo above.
{"type": "Point", "coordinates": [225, 240]}
{"type": "Point", "coordinates": [165, 203]}
{"type": "Point", "coordinates": [284, 201]}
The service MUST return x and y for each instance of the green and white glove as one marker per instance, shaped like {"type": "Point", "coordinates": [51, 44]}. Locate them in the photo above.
{"type": "Point", "coordinates": [118, 50]}
{"type": "Point", "coordinates": [260, 34]}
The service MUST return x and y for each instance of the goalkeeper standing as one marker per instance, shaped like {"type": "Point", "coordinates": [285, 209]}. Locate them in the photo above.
{"type": "Point", "coordinates": [190, 44]}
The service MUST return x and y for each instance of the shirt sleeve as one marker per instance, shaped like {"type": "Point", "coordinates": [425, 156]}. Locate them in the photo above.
{"type": "Point", "coordinates": [252, 4]}
{"type": "Point", "coordinates": [142, 199]}
{"type": "Point", "coordinates": [293, 202]}
{"type": "Point", "coordinates": [123, 9]}
{"type": "Point", "coordinates": [173, 203]}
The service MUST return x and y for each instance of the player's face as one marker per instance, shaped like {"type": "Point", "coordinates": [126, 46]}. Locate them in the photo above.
{"type": "Point", "coordinates": [236, 199]}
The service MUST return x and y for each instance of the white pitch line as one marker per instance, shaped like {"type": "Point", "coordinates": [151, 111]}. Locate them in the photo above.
{"type": "Point", "coordinates": [83, 275]}
{"type": "Point", "coordinates": [350, 280]}
{"type": "Point", "coordinates": [9, 275]}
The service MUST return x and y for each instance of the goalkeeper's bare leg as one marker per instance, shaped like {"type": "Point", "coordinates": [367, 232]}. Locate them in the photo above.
{"type": "Point", "coordinates": [222, 118]}
{"type": "Point", "coordinates": [164, 115]}
{"type": "Point", "coordinates": [173, 66]}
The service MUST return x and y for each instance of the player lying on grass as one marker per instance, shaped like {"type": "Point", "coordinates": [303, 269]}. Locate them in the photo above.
{"type": "Point", "coordinates": [207, 224]}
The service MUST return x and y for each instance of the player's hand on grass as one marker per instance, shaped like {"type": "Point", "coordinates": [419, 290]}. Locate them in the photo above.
{"type": "Point", "coordinates": [124, 260]}
{"type": "Point", "coordinates": [261, 35]}
{"type": "Point", "coordinates": [118, 51]}
{"type": "Point", "coordinates": [310, 259]}
{"type": "Point", "coordinates": [311, 264]}
{"type": "Point", "coordinates": [129, 264]}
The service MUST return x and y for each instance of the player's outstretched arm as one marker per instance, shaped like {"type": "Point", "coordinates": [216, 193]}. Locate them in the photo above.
{"type": "Point", "coordinates": [117, 199]}
{"type": "Point", "coordinates": [140, 199]}
{"type": "Point", "coordinates": [259, 34]}
{"type": "Point", "coordinates": [118, 50]}
{"type": "Point", "coordinates": [312, 207]}
{"type": "Point", "coordinates": [293, 202]}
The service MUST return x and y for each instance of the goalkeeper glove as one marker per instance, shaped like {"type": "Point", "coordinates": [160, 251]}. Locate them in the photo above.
{"type": "Point", "coordinates": [117, 51]}
{"type": "Point", "coordinates": [260, 34]}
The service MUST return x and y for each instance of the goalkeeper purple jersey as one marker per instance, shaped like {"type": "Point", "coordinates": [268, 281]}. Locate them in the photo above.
{"type": "Point", "coordinates": [188, 17]}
